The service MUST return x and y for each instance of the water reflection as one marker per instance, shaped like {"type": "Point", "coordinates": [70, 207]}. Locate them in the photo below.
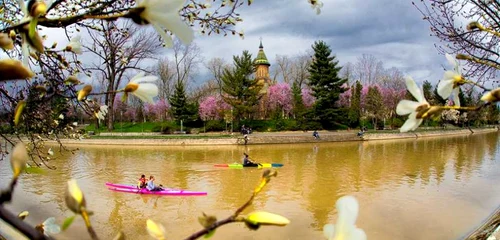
{"type": "Point", "coordinates": [407, 189]}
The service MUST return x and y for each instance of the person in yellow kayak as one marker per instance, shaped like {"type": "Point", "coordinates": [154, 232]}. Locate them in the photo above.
{"type": "Point", "coordinates": [249, 163]}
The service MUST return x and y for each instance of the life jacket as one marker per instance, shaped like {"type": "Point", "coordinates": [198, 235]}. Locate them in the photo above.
{"type": "Point", "coordinates": [141, 183]}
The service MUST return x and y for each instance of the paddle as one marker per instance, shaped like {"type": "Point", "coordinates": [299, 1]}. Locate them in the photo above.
{"type": "Point", "coordinates": [256, 163]}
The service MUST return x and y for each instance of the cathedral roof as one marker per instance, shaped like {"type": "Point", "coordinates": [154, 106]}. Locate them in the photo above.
{"type": "Point", "coordinates": [261, 56]}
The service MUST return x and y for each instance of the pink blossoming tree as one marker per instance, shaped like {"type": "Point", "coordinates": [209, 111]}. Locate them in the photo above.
{"type": "Point", "coordinates": [280, 98]}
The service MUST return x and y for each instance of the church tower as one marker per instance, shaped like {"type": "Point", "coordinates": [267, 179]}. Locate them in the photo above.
{"type": "Point", "coordinates": [262, 71]}
{"type": "Point", "coordinates": [263, 79]}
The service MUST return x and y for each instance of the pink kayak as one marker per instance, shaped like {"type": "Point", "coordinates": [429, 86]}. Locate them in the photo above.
{"type": "Point", "coordinates": [167, 192]}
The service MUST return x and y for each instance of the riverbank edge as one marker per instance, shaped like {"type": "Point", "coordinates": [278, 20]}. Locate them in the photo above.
{"type": "Point", "coordinates": [283, 138]}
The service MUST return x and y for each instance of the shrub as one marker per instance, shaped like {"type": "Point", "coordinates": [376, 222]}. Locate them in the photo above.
{"type": "Point", "coordinates": [215, 125]}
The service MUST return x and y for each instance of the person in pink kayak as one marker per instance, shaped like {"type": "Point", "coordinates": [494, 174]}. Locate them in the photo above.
{"type": "Point", "coordinates": [142, 182]}
{"type": "Point", "coordinates": [151, 185]}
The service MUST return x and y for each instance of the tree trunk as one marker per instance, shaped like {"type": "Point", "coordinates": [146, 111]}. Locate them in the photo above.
{"type": "Point", "coordinates": [111, 112]}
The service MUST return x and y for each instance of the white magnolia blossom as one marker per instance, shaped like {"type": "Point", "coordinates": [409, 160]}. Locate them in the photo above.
{"type": "Point", "coordinates": [143, 87]}
{"type": "Point", "coordinates": [103, 110]}
{"type": "Point", "coordinates": [25, 49]}
{"type": "Point", "coordinates": [61, 116]}
{"type": "Point", "coordinates": [75, 45]}
{"type": "Point", "coordinates": [165, 14]}
{"type": "Point", "coordinates": [316, 5]}
{"type": "Point", "coordinates": [345, 228]}
{"type": "Point", "coordinates": [406, 107]}
{"type": "Point", "coordinates": [50, 152]}
{"type": "Point", "coordinates": [451, 115]}
{"type": "Point", "coordinates": [75, 124]}
{"type": "Point", "coordinates": [450, 84]}
{"type": "Point", "coordinates": [50, 226]}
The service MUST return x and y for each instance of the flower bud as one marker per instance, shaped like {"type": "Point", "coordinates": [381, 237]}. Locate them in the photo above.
{"type": "Point", "coordinates": [256, 219]}
{"type": "Point", "coordinates": [207, 220]}
{"type": "Point", "coordinates": [74, 197]}
{"type": "Point", "coordinates": [19, 110]}
{"type": "Point", "coordinates": [18, 159]}
{"type": "Point", "coordinates": [11, 69]}
{"type": "Point", "coordinates": [84, 92]}
{"type": "Point", "coordinates": [37, 8]}
{"type": "Point", "coordinates": [475, 25]}
{"type": "Point", "coordinates": [12, 34]}
{"type": "Point", "coordinates": [33, 39]}
{"type": "Point", "coordinates": [491, 96]}
{"type": "Point", "coordinates": [23, 215]}
{"type": "Point", "coordinates": [155, 230]}
{"type": "Point", "coordinates": [6, 42]}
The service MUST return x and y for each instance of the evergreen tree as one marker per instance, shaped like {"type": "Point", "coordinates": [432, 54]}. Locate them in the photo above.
{"type": "Point", "coordinates": [428, 94]}
{"type": "Point", "coordinates": [240, 88]}
{"type": "Point", "coordinates": [298, 103]}
{"type": "Point", "coordinates": [180, 108]}
{"type": "Point", "coordinates": [326, 85]}
{"type": "Point", "coordinates": [355, 110]}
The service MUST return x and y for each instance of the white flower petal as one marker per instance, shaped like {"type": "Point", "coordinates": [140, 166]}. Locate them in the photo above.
{"type": "Point", "coordinates": [22, 6]}
{"type": "Point", "coordinates": [410, 123]}
{"type": "Point", "coordinates": [348, 208]}
{"type": "Point", "coordinates": [137, 76]}
{"type": "Point", "coordinates": [358, 234]}
{"type": "Point", "coordinates": [450, 75]}
{"type": "Point", "coordinates": [328, 231]}
{"type": "Point", "coordinates": [26, 52]}
{"type": "Point", "coordinates": [414, 90]}
{"type": "Point", "coordinates": [146, 92]}
{"type": "Point", "coordinates": [452, 60]}
{"type": "Point", "coordinates": [173, 23]}
{"type": "Point", "coordinates": [456, 99]}
{"type": "Point", "coordinates": [145, 79]}
{"type": "Point", "coordinates": [444, 88]}
{"type": "Point", "coordinates": [406, 107]}
{"type": "Point", "coordinates": [166, 38]}
{"type": "Point", "coordinates": [417, 124]}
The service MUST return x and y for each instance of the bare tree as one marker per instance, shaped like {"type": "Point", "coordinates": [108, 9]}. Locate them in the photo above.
{"type": "Point", "coordinates": [210, 87]}
{"type": "Point", "coordinates": [119, 48]}
{"type": "Point", "coordinates": [216, 67]}
{"type": "Point", "coordinates": [393, 79]}
{"type": "Point", "coordinates": [446, 19]}
{"type": "Point", "coordinates": [284, 67]}
{"type": "Point", "coordinates": [292, 69]}
{"type": "Point", "coordinates": [368, 69]}
{"type": "Point", "coordinates": [347, 71]}
{"type": "Point", "coordinates": [300, 70]}
{"type": "Point", "coordinates": [185, 61]}
{"type": "Point", "coordinates": [166, 72]}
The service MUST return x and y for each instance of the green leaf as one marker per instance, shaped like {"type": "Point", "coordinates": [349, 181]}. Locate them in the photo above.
{"type": "Point", "coordinates": [210, 234]}
{"type": "Point", "coordinates": [67, 222]}
{"type": "Point", "coordinates": [35, 170]}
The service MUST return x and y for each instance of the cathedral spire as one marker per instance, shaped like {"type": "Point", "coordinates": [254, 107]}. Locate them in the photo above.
{"type": "Point", "coordinates": [261, 56]}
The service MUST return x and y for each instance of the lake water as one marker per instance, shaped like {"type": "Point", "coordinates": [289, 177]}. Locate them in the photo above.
{"type": "Point", "coordinates": [431, 188]}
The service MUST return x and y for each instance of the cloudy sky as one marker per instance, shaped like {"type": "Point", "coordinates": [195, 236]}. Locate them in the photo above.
{"type": "Point", "coordinates": [391, 30]}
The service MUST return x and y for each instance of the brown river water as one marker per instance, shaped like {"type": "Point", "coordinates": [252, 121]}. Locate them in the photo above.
{"type": "Point", "coordinates": [431, 188]}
